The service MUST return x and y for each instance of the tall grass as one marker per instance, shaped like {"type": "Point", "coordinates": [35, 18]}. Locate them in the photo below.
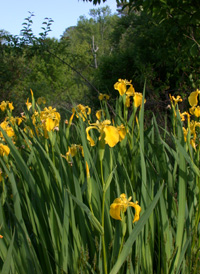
{"type": "Point", "coordinates": [54, 210]}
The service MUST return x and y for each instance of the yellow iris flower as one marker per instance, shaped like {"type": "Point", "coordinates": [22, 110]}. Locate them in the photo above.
{"type": "Point", "coordinates": [3, 106]}
{"type": "Point", "coordinates": [121, 204]}
{"type": "Point", "coordinates": [175, 100]}
{"type": "Point", "coordinates": [50, 118]}
{"type": "Point", "coordinates": [81, 111]}
{"type": "Point", "coordinates": [41, 100]}
{"type": "Point", "coordinates": [72, 151]}
{"type": "Point", "coordinates": [28, 104]}
{"type": "Point", "coordinates": [111, 135]}
{"type": "Point", "coordinates": [103, 96]}
{"type": "Point", "coordinates": [7, 128]}
{"type": "Point", "coordinates": [121, 86]}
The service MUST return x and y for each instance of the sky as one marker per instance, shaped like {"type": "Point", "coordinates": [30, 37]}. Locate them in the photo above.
{"type": "Point", "coordinates": [65, 13]}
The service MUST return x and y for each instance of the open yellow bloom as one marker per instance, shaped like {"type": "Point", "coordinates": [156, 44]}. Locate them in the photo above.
{"type": "Point", "coordinates": [6, 104]}
{"type": "Point", "coordinates": [3, 105]}
{"type": "Point", "coordinates": [7, 128]}
{"type": "Point", "coordinates": [121, 204]}
{"type": "Point", "coordinates": [103, 96]}
{"type": "Point", "coordinates": [81, 111]}
{"type": "Point", "coordinates": [4, 150]}
{"type": "Point", "coordinates": [121, 86]}
{"type": "Point", "coordinates": [193, 98]}
{"type": "Point", "coordinates": [175, 100]}
{"type": "Point", "coordinates": [41, 100]}
{"type": "Point", "coordinates": [110, 134]}
{"type": "Point", "coordinates": [50, 118]}
{"type": "Point", "coordinates": [125, 87]}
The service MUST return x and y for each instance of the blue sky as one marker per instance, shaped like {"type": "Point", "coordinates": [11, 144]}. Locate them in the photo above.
{"type": "Point", "coordinates": [65, 13]}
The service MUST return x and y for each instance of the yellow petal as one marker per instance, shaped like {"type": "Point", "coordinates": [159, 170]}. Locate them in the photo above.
{"type": "Point", "coordinates": [111, 135]}
{"type": "Point", "coordinates": [3, 105]}
{"type": "Point", "coordinates": [185, 133]}
{"type": "Point", "coordinates": [197, 111]}
{"type": "Point", "coordinates": [10, 105]}
{"type": "Point", "coordinates": [127, 102]}
{"type": "Point", "coordinates": [10, 132]}
{"type": "Point", "coordinates": [137, 99]}
{"type": "Point", "coordinates": [4, 150]}
{"type": "Point", "coordinates": [193, 144]}
{"type": "Point", "coordinates": [89, 138]}
{"type": "Point", "coordinates": [50, 124]}
{"type": "Point", "coordinates": [122, 132]}
{"type": "Point", "coordinates": [115, 210]}
{"type": "Point", "coordinates": [121, 87]}
{"type": "Point", "coordinates": [137, 211]}
{"type": "Point", "coordinates": [29, 105]}
{"type": "Point", "coordinates": [130, 91]}
{"type": "Point", "coordinates": [87, 170]}
{"type": "Point", "coordinates": [98, 114]}
{"type": "Point", "coordinates": [88, 110]}
{"type": "Point", "coordinates": [193, 101]}
{"type": "Point", "coordinates": [101, 97]}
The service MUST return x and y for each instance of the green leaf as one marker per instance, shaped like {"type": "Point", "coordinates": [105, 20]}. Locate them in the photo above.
{"type": "Point", "coordinates": [109, 179]}
{"type": "Point", "coordinates": [7, 263]}
{"type": "Point", "coordinates": [91, 217]}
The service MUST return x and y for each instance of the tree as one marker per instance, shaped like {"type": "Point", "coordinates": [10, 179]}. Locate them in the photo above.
{"type": "Point", "coordinates": [159, 41]}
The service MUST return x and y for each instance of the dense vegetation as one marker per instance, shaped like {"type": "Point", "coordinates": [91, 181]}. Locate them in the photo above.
{"type": "Point", "coordinates": [157, 41]}
{"type": "Point", "coordinates": [90, 182]}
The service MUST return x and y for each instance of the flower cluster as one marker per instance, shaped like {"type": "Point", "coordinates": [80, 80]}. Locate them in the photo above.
{"type": "Point", "coordinates": [126, 88]}
{"type": "Point", "coordinates": [4, 149]}
{"type": "Point", "coordinates": [81, 111]}
{"type": "Point", "coordinates": [6, 104]}
{"type": "Point", "coordinates": [44, 121]}
{"type": "Point", "coordinates": [191, 131]}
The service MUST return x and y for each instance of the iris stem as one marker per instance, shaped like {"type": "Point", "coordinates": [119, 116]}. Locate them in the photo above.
{"type": "Point", "coordinates": [102, 219]}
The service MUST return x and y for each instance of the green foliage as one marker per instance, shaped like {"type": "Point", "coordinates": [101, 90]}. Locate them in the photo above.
{"type": "Point", "coordinates": [158, 50]}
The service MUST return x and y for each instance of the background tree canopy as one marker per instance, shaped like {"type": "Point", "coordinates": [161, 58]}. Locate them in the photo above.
{"type": "Point", "coordinates": [154, 40]}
